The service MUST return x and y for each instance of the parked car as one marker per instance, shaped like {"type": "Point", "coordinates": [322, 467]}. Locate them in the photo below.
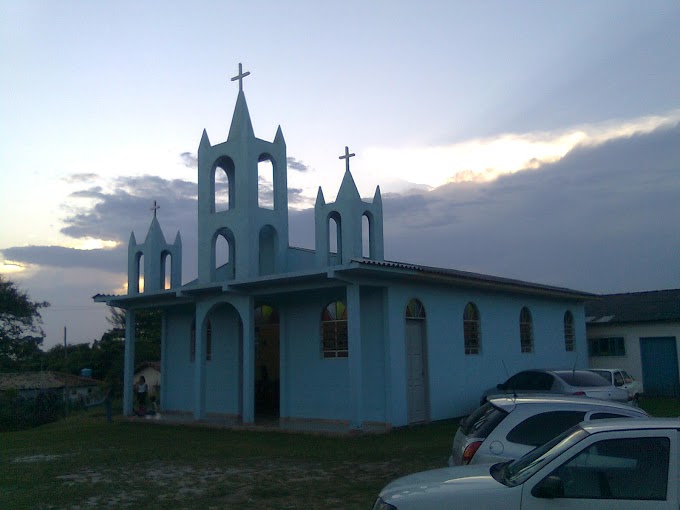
{"type": "Point", "coordinates": [597, 464]}
{"type": "Point", "coordinates": [621, 379]}
{"type": "Point", "coordinates": [582, 383]}
{"type": "Point", "coordinates": [505, 428]}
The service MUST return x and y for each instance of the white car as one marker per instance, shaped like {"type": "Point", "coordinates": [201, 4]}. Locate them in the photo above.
{"type": "Point", "coordinates": [506, 428]}
{"type": "Point", "coordinates": [621, 379]}
{"type": "Point", "coordinates": [599, 464]}
{"type": "Point", "coordinates": [580, 383]}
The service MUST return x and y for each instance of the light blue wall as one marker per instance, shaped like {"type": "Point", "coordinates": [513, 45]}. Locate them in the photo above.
{"type": "Point", "coordinates": [316, 387]}
{"type": "Point", "coordinates": [223, 370]}
{"type": "Point", "coordinates": [178, 375]}
{"type": "Point", "coordinates": [456, 380]}
{"type": "Point", "coordinates": [373, 354]}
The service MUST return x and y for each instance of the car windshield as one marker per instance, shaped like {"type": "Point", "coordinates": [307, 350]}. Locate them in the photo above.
{"type": "Point", "coordinates": [583, 378]}
{"type": "Point", "coordinates": [482, 421]}
{"type": "Point", "coordinates": [518, 471]}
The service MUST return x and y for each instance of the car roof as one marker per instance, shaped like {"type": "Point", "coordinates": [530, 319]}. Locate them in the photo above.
{"type": "Point", "coordinates": [606, 369]}
{"type": "Point", "coordinates": [507, 403]}
{"type": "Point", "coordinates": [595, 426]}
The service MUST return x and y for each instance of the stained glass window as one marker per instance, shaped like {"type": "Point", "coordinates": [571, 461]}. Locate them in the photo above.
{"type": "Point", "coordinates": [415, 310]}
{"type": "Point", "coordinates": [334, 330]}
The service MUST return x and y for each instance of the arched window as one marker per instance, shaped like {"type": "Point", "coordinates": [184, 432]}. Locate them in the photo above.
{"type": "Point", "coordinates": [166, 270]}
{"type": "Point", "coordinates": [208, 341]}
{"type": "Point", "coordinates": [415, 310]}
{"type": "Point", "coordinates": [366, 234]}
{"type": "Point", "coordinates": [335, 237]}
{"type": "Point", "coordinates": [265, 182]}
{"type": "Point", "coordinates": [471, 329]}
{"type": "Point", "coordinates": [223, 185]}
{"type": "Point", "coordinates": [526, 331]}
{"type": "Point", "coordinates": [192, 342]}
{"type": "Point", "coordinates": [140, 272]}
{"type": "Point", "coordinates": [569, 333]}
{"type": "Point", "coordinates": [334, 330]}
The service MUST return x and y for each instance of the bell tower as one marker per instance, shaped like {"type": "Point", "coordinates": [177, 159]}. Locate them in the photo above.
{"type": "Point", "coordinates": [351, 230]}
{"type": "Point", "coordinates": [253, 232]}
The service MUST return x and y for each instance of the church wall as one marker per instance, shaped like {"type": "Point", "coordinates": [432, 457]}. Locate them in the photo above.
{"type": "Point", "coordinates": [300, 260]}
{"type": "Point", "coordinates": [456, 380]}
{"type": "Point", "coordinates": [223, 369]}
{"type": "Point", "coordinates": [178, 378]}
{"type": "Point", "coordinates": [316, 387]}
{"type": "Point", "coordinates": [373, 354]}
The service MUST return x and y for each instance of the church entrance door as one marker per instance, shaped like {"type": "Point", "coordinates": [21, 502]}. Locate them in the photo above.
{"type": "Point", "coordinates": [267, 356]}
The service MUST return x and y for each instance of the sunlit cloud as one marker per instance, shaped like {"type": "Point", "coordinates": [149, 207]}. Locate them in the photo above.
{"type": "Point", "coordinates": [8, 267]}
{"type": "Point", "coordinates": [486, 159]}
{"type": "Point", "coordinates": [92, 244]}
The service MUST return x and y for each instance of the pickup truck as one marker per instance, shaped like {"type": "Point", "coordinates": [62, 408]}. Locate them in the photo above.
{"type": "Point", "coordinates": [614, 463]}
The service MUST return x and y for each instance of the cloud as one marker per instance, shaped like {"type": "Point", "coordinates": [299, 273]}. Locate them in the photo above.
{"type": "Point", "coordinates": [487, 159]}
{"type": "Point", "coordinates": [80, 178]}
{"type": "Point", "coordinates": [597, 220]}
{"type": "Point", "coordinates": [295, 164]}
{"type": "Point", "coordinates": [111, 260]}
{"type": "Point", "coordinates": [189, 159]}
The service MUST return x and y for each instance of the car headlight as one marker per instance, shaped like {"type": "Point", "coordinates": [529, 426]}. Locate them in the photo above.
{"type": "Point", "coordinates": [381, 505]}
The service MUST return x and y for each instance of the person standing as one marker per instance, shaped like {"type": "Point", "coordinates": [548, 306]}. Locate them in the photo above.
{"type": "Point", "coordinates": [142, 390]}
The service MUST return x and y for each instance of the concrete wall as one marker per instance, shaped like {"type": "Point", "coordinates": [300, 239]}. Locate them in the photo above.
{"type": "Point", "coordinates": [631, 334]}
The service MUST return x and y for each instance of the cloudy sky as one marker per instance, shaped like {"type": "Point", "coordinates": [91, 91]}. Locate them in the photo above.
{"type": "Point", "coordinates": [533, 140]}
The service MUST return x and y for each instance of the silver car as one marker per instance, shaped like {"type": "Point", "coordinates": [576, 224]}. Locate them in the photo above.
{"type": "Point", "coordinates": [580, 383]}
{"type": "Point", "coordinates": [506, 428]}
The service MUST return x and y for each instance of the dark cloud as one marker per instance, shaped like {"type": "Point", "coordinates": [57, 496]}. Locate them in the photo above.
{"type": "Point", "coordinates": [597, 220]}
{"type": "Point", "coordinates": [295, 164]}
{"type": "Point", "coordinates": [189, 159]}
{"type": "Point", "coordinates": [81, 178]}
{"type": "Point", "coordinates": [111, 260]}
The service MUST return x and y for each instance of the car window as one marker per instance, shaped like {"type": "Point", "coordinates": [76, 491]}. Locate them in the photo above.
{"type": "Point", "coordinates": [541, 428]}
{"type": "Point", "coordinates": [618, 379]}
{"type": "Point", "coordinates": [530, 380]}
{"type": "Point", "coordinates": [627, 377]}
{"type": "Point", "coordinates": [606, 416]}
{"type": "Point", "coordinates": [604, 373]}
{"type": "Point", "coordinates": [483, 421]}
{"type": "Point", "coordinates": [583, 378]}
{"type": "Point", "coordinates": [627, 468]}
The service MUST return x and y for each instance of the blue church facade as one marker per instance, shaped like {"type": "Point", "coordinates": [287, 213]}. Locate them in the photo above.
{"type": "Point", "coordinates": [338, 335]}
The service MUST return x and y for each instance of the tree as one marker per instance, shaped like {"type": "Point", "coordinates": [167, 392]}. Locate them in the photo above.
{"type": "Point", "coordinates": [21, 330]}
{"type": "Point", "coordinates": [147, 332]}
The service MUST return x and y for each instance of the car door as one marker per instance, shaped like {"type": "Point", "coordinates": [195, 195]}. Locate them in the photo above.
{"type": "Point", "coordinates": [629, 470]}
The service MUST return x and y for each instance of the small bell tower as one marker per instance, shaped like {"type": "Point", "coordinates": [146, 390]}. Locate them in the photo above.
{"type": "Point", "coordinates": [348, 212]}
{"type": "Point", "coordinates": [254, 234]}
{"type": "Point", "coordinates": [150, 260]}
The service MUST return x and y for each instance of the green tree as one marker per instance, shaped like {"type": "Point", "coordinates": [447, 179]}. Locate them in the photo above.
{"type": "Point", "coordinates": [21, 330]}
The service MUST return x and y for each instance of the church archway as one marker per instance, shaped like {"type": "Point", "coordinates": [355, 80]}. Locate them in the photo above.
{"type": "Point", "coordinates": [267, 362]}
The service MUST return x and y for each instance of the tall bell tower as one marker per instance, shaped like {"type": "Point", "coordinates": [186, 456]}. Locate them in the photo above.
{"type": "Point", "coordinates": [252, 231]}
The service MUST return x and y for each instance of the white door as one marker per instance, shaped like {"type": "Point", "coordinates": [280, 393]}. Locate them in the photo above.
{"type": "Point", "coordinates": [415, 368]}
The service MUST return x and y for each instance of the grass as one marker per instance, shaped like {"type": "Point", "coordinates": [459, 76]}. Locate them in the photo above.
{"type": "Point", "coordinates": [83, 462]}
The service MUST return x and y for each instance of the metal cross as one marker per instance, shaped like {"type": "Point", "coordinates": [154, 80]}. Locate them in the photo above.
{"type": "Point", "coordinates": [346, 157]}
{"type": "Point", "coordinates": [240, 76]}
{"type": "Point", "coordinates": [155, 208]}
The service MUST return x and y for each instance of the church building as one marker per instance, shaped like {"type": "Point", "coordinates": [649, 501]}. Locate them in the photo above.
{"type": "Point", "coordinates": [337, 334]}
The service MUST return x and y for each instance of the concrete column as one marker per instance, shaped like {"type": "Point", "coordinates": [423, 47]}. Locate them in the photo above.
{"type": "Point", "coordinates": [129, 363]}
{"type": "Point", "coordinates": [284, 409]}
{"type": "Point", "coordinates": [199, 362]}
{"type": "Point", "coordinates": [248, 362]}
{"type": "Point", "coordinates": [354, 356]}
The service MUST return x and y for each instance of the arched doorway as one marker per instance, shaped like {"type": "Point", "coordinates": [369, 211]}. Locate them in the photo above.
{"type": "Point", "coordinates": [267, 356]}
{"type": "Point", "coordinates": [416, 362]}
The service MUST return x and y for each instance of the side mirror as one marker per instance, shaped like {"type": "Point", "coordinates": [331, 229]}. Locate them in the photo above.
{"type": "Point", "coordinates": [550, 488]}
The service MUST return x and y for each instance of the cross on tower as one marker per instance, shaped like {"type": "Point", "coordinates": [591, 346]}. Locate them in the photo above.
{"type": "Point", "coordinates": [154, 208]}
{"type": "Point", "coordinates": [240, 76]}
{"type": "Point", "coordinates": [346, 157]}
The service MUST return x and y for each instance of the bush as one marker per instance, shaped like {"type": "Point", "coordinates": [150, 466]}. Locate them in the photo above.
{"type": "Point", "coordinates": [19, 413]}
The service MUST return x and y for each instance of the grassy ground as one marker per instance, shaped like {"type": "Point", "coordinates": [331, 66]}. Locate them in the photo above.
{"type": "Point", "coordinates": [86, 463]}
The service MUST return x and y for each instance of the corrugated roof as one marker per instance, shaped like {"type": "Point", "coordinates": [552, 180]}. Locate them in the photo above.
{"type": "Point", "coordinates": [651, 306]}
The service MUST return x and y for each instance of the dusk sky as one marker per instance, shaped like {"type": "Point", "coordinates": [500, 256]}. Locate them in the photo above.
{"type": "Point", "coordinates": [532, 140]}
